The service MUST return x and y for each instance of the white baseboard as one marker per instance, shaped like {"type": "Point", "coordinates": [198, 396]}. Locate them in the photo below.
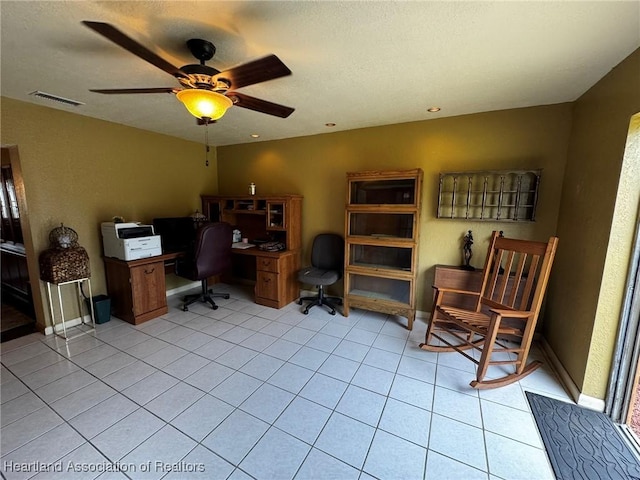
{"type": "Point", "coordinates": [58, 326]}
{"type": "Point", "coordinates": [77, 321]}
{"type": "Point", "coordinates": [591, 403]}
{"type": "Point", "coordinates": [183, 288]}
{"type": "Point", "coordinates": [580, 398]}
{"type": "Point", "coordinates": [307, 293]}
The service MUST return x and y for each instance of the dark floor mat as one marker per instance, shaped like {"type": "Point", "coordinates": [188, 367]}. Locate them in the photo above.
{"type": "Point", "coordinates": [582, 444]}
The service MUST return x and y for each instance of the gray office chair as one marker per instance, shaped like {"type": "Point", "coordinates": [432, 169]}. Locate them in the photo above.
{"type": "Point", "coordinates": [211, 256]}
{"type": "Point", "coordinates": [327, 263]}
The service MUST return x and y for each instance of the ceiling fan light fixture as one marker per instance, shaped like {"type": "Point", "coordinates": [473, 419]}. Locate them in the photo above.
{"type": "Point", "coordinates": [204, 103]}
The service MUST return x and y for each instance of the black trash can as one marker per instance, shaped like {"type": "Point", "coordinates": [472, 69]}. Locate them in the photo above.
{"type": "Point", "coordinates": [101, 308]}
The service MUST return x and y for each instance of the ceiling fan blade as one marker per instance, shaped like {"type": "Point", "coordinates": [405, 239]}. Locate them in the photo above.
{"type": "Point", "coordinates": [258, 105]}
{"type": "Point", "coordinates": [257, 71]}
{"type": "Point", "coordinates": [116, 36]}
{"type": "Point", "coordinates": [110, 91]}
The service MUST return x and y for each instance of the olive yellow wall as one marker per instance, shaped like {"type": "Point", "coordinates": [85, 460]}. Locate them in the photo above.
{"type": "Point", "coordinates": [315, 167]}
{"type": "Point", "coordinates": [597, 215]}
{"type": "Point", "coordinates": [81, 171]}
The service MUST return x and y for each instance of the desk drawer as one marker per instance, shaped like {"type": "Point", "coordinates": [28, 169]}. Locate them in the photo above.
{"type": "Point", "coordinates": [267, 286]}
{"type": "Point", "coordinates": [267, 264]}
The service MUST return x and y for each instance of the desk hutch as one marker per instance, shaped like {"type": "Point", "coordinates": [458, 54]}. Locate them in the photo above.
{"type": "Point", "coordinates": [274, 217]}
{"type": "Point", "coordinates": [138, 287]}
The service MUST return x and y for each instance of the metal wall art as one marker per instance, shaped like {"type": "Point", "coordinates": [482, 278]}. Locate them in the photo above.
{"type": "Point", "coordinates": [503, 195]}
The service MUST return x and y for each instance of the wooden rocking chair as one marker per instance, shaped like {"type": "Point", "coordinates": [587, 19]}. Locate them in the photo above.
{"type": "Point", "coordinates": [515, 277]}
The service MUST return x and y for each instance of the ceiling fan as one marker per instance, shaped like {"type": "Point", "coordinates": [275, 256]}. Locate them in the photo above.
{"type": "Point", "coordinates": [207, 93]}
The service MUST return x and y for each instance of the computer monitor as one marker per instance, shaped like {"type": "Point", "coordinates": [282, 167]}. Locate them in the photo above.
{"type": "Point", "coordinates": [177, 233]}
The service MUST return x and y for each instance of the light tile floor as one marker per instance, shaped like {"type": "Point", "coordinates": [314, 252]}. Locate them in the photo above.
{"type": "Point", "coordinates": [252, 392]}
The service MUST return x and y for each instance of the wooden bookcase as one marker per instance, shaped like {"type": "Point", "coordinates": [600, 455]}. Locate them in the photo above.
{"type": "Point", "coordinates": [382, 225]}
{"type": "Point", "coordinates": [277, 218]}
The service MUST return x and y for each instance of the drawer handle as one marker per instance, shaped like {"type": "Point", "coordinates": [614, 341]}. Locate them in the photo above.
{"type": "Point", "coordinates": [148, 272]}
{"type": "Point", "coordinates": [267, 280]}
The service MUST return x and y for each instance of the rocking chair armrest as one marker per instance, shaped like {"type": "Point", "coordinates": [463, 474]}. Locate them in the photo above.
{"type": "Point", "coordinates": [504, 313]}
{"type": "Point", "coordinates": [454, 290]}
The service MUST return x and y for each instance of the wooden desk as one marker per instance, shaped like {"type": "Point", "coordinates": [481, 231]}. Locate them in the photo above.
{"type": "Point", "coordinates": [138, 287]}
{"type": "Point", "coordinates": [275, 275]}
{"type": "Point", "coordinates": [274, 217]}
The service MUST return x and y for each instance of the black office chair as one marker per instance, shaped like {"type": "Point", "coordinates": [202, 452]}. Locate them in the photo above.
{"type": "Point", "coordinates": [327, 263]}
{"type": "Point", "coordinates": [211, 255]}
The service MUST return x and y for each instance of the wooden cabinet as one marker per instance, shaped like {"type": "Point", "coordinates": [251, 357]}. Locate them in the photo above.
{"type": "Point", "coordinates": [137, 288]}
{"type": "Point", "coordinates": [382, 234]}
{"type": "Point", "coordinates": [275, 218]}
{"type": "Point", "coordinates": [450, 276]}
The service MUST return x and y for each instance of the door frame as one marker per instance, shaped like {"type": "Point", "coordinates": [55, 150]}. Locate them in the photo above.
{"type": "Point", "coordinates": [621, 393]}
{"type": "Point", "coordinates": [11, 155]}
{"type": "Point", "coordinates": [624, 375]}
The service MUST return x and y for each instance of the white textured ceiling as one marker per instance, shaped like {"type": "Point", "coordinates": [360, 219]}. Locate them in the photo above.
{"type": "Point", "coordinates": [357, 64]}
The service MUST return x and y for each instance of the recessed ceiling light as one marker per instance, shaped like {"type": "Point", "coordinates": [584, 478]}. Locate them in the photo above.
{"type": "Point", "coordinates": [433, 109]}
{"type": "Point", "coordinates": [255, 135]}
{"type": "Point", "coordinates": [330, 124]}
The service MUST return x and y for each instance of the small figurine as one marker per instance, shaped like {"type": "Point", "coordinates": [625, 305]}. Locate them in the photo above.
{"type": "Point", "coordinates": [468, 253]}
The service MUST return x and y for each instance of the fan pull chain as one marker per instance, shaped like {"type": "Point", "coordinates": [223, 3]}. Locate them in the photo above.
{"type": "Point", "coordinates": [206, 144]}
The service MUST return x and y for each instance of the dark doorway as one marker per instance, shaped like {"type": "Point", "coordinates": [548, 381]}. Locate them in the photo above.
{"type": "Point", "coordinates": [18, 315]}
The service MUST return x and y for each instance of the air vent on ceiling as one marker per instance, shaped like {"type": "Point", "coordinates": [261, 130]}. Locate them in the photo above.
{"type": "Point", "coordinates": [56, 98]}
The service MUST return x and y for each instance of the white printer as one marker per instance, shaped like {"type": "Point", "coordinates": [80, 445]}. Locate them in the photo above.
{"type": "Point", "coordinates": [130, 241]}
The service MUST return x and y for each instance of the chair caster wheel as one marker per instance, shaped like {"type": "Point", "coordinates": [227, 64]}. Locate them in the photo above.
{"type": "Point", "coordinates": [332, 313]}
{"type": "Point", "coordinates": [214, 307]}
{"type": "Point", "coordinates": [185, 309]}
{"type": "Point", "coordinates": [227, 297]}
{"type": "Point", "coordinates": [299, 302]}
{"type": "Point", "coordinates": [306, 312]}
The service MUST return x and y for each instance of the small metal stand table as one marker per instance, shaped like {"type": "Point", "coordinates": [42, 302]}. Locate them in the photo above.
{"type": "Point", "coordinates": [91, 324]}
